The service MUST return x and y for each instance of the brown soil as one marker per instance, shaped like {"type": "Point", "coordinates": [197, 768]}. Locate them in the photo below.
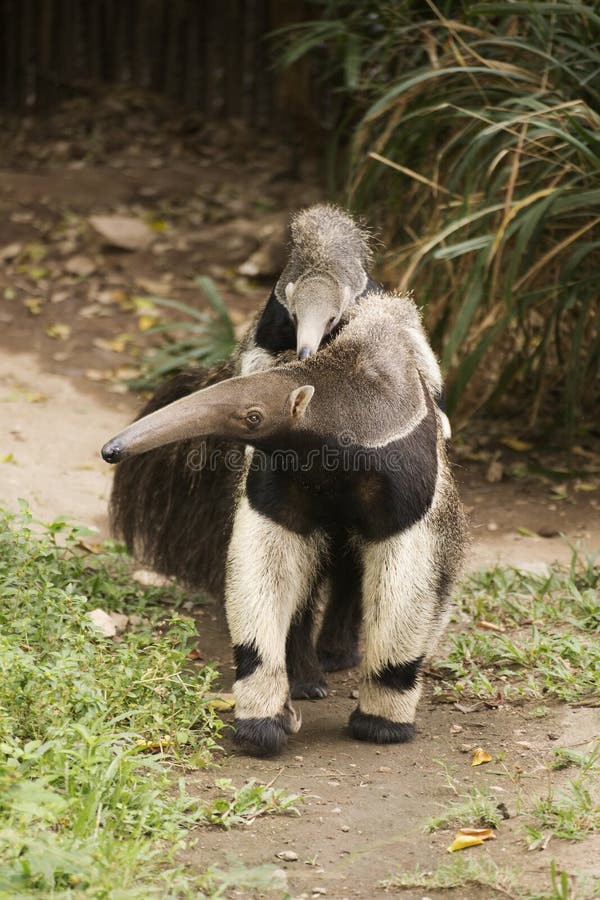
{"type": "Point", "coordinates": [364, 806]}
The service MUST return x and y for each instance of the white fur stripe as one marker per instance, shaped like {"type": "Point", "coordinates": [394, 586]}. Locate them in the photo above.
{"type": "Point", "coordinates": [269, 575]}
{"type": "Point", "coordinates": [398, 706]}
{"type": "Point", "coordinates": [399, 596]}
{"type": "Point", "coordinates": [256, 359]}
{"type": "Point", "coordinates": [263, 693]}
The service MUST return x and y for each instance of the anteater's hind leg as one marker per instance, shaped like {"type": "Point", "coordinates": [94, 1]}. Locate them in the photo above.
{"type": "Point", "coordinates": [338, 643]}
{"type": "Point", "coordinates": [270, 572]}
{"type": "Point", "coordinates": [402, 616]}
{"type": "Point", "coordinates": [307, 681]}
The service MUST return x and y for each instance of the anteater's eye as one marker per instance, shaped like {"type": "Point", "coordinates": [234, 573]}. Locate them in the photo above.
{"type": "Point", "coordinates": [331, 322]}
{"type": "Point", "coordinates": [253, 419]}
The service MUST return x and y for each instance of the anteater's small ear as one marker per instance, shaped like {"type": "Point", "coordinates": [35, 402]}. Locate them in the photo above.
{"type": "Point", "coordinates": [299, 400]}
{"type": "Point", "coordinates": [289, 290]}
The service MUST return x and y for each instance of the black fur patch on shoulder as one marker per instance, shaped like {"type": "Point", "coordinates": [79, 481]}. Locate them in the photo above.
{"type": "Point", "coordinates": [275, 331]}
{"type": "Point", "coordinates": [378, 730]}
{"type": "Point", "coordinates": [262, 737]}
{"type": "Point", "coordinates": [247, 659]}
{"type": "Point", "coordinates": [400, 677]}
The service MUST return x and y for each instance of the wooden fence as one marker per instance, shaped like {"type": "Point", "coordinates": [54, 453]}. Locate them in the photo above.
{"type": "Point", "coordinates": [210, 55]}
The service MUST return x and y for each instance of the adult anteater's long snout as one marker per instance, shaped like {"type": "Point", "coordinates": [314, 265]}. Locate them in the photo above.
{"type": "Point", "coordinates": [201, 413]}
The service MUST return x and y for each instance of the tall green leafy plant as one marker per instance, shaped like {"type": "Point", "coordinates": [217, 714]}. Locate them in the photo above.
{"type": "Point", "coordinates": [476, 148]}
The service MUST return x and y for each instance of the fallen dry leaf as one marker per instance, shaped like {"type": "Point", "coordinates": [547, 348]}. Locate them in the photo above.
{"type": "Point", "coordinates": [480, 756]}
{"type": "Point", "coordinates": [516, 444]}
{"type": "Point", "coordinates": [470, 837]}
{"type": "Point", "coordinates": [60, 331]}
{"type": "Point", "coordinates": [147, 322]}
{"type": "Point", "coordinates": [490, 626]}
{"type": "Point", "coordinates": [155, 746]}
{"type": "Point", "coordinates": [34, 305]}
{"type": "Point", "coordinates": [221, 702]}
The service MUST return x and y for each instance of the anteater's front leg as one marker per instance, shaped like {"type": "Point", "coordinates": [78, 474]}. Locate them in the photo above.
{"type": "Point", "coordinates": [269, 572]}
{"type": "Point", "coordinates": [402, 612]}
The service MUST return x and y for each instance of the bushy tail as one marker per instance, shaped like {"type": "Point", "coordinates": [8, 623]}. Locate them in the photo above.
{"type": "Point", "coordinates": [174, 513]}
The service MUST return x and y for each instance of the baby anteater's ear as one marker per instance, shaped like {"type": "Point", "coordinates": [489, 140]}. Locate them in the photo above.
{"type": "Point", "coordinates": [299, 400]}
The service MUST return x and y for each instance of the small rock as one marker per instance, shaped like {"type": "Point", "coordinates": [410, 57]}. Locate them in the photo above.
{"type": "Point", "coordinates": [287, 856]}
{"type": "Point", "coordinates": [456, 729]}
{"type": "Point", "coordinates": [548, 532]}
{"type": "Point", "coordinates": [466, 748]}
{"type": "Point", "coordinates": [492, 526]}
{"type": "Point", "coordinates": [82, 266]}
{"type": "Point", "coordinates": [524, 744]}
{"type": "Point", "coordinates": [345, 828]}
{"type": "Point", "coordinates": [495, 472]}
{"type": "Point", "coordinates": [354, 695]}
{"type": "Point", "coordinates": [10, 251]}
{"type": "Point", "coordinates": [384, 769]}
{"type": "Point", "coordinates": [103, 622]}
{"type": "Point", "coordinates": [119, 620]}
{"type": "Point", "coordinates": [124, 232]}
{"type": "Point", "coordinates": [150, 579]}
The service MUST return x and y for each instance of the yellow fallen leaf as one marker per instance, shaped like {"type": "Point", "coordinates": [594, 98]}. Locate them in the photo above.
{"type": "Point", "coordinates": [585, 486]}
{"type": "Point", "coordinates": [59, 331]}
{"type": "Point", "coordinates": [155, 746]}
{"type": "Point", "coordinates": [480, 756]}
{"type": "Point", "coordinates": [516, 444]}
{"type": "Point", "coordinates": [34, 305]}
{"type": "Point", "coordinates": [117, 344]}
{"type": "Point", "coordinates": [483, 833]}
{"type": "Point", "coordinates": [470, 837]}
{"type": "Point", "coordinates": [146, 322]}
{"type": "Point", "coordinates": [9, 458]}
{"type": "Point", "coordinates": [34, 397]}
{"type": "Point", "coordinates": [144, 304]}
{"type": "Point", "coordinates": [462, 841]}
{"type": "Point", "coordinates": [221, 702]}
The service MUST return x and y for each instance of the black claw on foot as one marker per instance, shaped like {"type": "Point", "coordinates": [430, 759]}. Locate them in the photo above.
{"type": "Point", "coordinates": [334, 661]}
{"type": "Point", "coordinates": [261, 737]}
{"type": "Point", "coordinates": [308, 690]}
{"type": "Point", "coordinates": [378, 730]}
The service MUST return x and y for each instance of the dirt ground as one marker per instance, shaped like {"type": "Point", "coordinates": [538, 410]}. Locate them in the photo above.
{"type": "Point", "coordinates": [61, 397]}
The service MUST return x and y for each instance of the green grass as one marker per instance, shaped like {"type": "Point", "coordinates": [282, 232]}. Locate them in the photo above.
{"type": "Point", "coordinates": [476, 810]}
{"type": "Point", "coordinates": [549, 644]}
{"type": "Point", "coordinates": [571, 812]}
{"type": "Point", "coordinates": [96, 734]}
{"type": "Point", "coordinates": [484, 873]}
